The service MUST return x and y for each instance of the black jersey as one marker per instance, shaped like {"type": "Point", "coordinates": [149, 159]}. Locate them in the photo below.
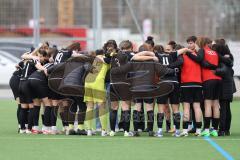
{"type": "Point", "coordinates": [62, 56]}
{"type": "Point", "coordinates": [39, 74]}
{"type": "Point", "coordinates": [18, 71]}
{"type": "Point", "coordinates": [27, 68]}
{"type": "Point", "coordinates": [170, 60]}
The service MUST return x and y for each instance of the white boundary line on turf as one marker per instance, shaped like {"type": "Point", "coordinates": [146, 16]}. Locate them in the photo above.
{"type": "Point", "coordinates": [112, 138]}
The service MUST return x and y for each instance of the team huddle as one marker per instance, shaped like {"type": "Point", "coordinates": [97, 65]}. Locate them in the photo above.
{"type": "Point", "coordinates": [73, 84]}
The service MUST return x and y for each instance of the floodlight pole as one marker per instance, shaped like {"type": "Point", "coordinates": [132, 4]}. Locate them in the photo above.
{"type": "Point", "coordinates": [36, 25]}
{"type": "Point", "coordinates": [97, 23]}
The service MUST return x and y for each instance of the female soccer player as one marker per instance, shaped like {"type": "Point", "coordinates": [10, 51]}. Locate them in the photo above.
{"type": "Point", "coordinates": [28, 67]}
{"type": "Point", "coordinates": [95, 93]}
{"type": "Point", "coordinates": [211, 85]}
{"type": "Point", "coordinates": [191, 88]}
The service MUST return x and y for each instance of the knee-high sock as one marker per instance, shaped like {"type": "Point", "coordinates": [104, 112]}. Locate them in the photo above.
{"type": "Point", "coordinates": [54, 113]}
{"type": "Point", "coordinates": [177, 120]}
{"type": "Point", "coordinates": [103, 117]}
{"type": "Point", "coordinates": [150, 120]}
{"type": "Point", "coordinates": [23, 117]}
{"type": "Point", "coordinates": [36, 115]}
{"type": "Point", "coordinates": [30, 118]}
{"type": "Point", "coordinates": [136, 120]}
{"type": "Point", "coordinates": [89, 118]}
{"type": "Point", "coordinates": [113, 118]}
{"type": "Point", "coordinates": [160, 117]}
{"type": "Point", "coordinates": [207, 122]}
{"type": "Point", "coordinates": [126, 120]}
{"type": "Point", "coordinates": [47, 114]}
{"type": "Point", "coordinates": [18, 113]}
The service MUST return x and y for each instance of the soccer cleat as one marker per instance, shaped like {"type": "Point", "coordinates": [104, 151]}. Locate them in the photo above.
{"type": "Point", "coordinates": [136, 134]}
{"type": "Point", "coordinates": [197, 134]}
{"type": "Point", "coordinates": [22, 131]}
{"type": "Point", "coordinates": [28, 131]}
{"type": "Point", "coordinates": [89, 133]}
{"type": "Point", "coordinates": [128, 134]}
{"type": "Point", "coordinates": [151, 134]}
{"type": "Point", "coordinates": [104, 133]}
{"type": "Point", "coordinates": [46, 132]}
{"type": "Point", "coordinates": [112, 133]}
{"type": "Point", "coordinates": [184, 134]}
{"type": "Point", "coordinates": [120, 130]}
{"type": "Point", "coordinates": [221, 133]}
{"type": "Point", "coordinates": [140, 130]}
{"type": "Point", "coordinates": [177, 134]}
{"type": "Point", "coordinates": [81, 132]}
{"type": "Point", "coordinates": [70, 132]}
{"type": "Point", "coordinates": [205, 133]}
{"type": "Point", "coordinates": [159, 134]}
{"type": "Point", "coordinates": [171, 130]}
{"type": "Point", "coordinates": [34, 131]}
{"type": "Point", "coordinates": [193, 130]}
{"type": "Point", "coordinates": [214, 133]}
{"type": "Point", "coordinates": [227, 133]}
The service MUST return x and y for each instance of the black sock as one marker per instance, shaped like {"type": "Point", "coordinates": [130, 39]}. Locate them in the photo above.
{"type": "Point", "coordinates": [185, 124]}
{"type": "Point", "coordinates": [136, 120]}
{"type": "Point", "coordinates": [160, 117]}
{"type": "Point", "coordinates": [42, 116]}
{"type": "Point", "coordinates": [150, 120]}
{"type": "Point", "coordinates": [23, 117]}
{"type": "Point", "coordinates": [142, 121]}
{"type": "Point", "coordinates": [120, 123]}
{"type": "Point", "coordinates": [215, 123]}
{"type": "Point", "coordinates": [36, 115]}
{"type": "Point", "coordinates": [177, 120]}
{"type": "Point", "coordinates": [47, 114]}
{"type": "Point", "coordinates": [18, 113]}
{"type": "Point", "coordinates": [198, 125]}
{"type": "Point", "coordinates": [168, 124]}
{"type": "Point", "coordinates": [30, 118]}
{"type": "Point", "coordinates": [81, 115]}
{"type": "Point", "coordinates": [207, 122]}
{"type": "Point", "coordinates": [126, 120]}
{"type": "Point", "coordinates": [113, 118]}
{"type": "Point", "coordinates": [53, 117]}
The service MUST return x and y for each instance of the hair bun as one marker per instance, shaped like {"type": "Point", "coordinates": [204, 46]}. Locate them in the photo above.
{"type": "Point", "coordinates": [149, 38]}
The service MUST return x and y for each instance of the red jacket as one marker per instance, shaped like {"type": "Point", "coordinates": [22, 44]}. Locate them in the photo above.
{"type": "Point", "coordinates": [211, 57]}
{"type": "Point", "coordinates": [190, 71]}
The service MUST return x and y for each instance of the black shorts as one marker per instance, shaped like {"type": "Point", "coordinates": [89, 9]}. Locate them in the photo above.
{"type": "Point", "coordinates": [145, 100]}
{"type": "Point", "coordinates": [120, 93]}
{"type": "Point", "coordinates": [212, 89]}
{"type": "Point", "coordinates": [14, 85]}
{"type": "Point", "coordinates": [191, 94]}
{"type": "Point", "coordinates": [55, 96]}
{"type": "Point", "coordinates": [26, 96]}
{"type": "Point", "coordinates": [173, 96]}
{"type": "Point", "coordinates": [39, 88]}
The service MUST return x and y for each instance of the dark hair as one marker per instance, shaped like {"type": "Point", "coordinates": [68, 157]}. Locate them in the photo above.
{"type": "Point", "coordinates": [192, 39]}
{"type": "Point", "coordinates": [126, 45]}
{"type": "Point", "coordinates": [52, 52]}
{"type": "Point", "coordinates": [203, 41]}
{"type": "Point", "coordinates": [110, 42]}
{"type": "Point", "coordinates": [143, 47]}
{"type": "Point", "coordinates": [158, 49]}
{"type": "Point", "coordinates": [178, 46]}
{"type": "Point", "coordinates": [74, 46]}
{"type": "Point", "coordinates": [173, 44]}
{"type": "Point", "coordinates": [150, 41]}
{"type": "Point", "coordinates": [99, 52]}
{"type": "Point", "coordinates": [222, 48]}
{"type": "Point", "coordinates": [43, 53]}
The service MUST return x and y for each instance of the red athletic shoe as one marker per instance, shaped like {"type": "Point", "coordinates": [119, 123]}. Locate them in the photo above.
{"type": "Point", "coordinates": [34, 131]}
